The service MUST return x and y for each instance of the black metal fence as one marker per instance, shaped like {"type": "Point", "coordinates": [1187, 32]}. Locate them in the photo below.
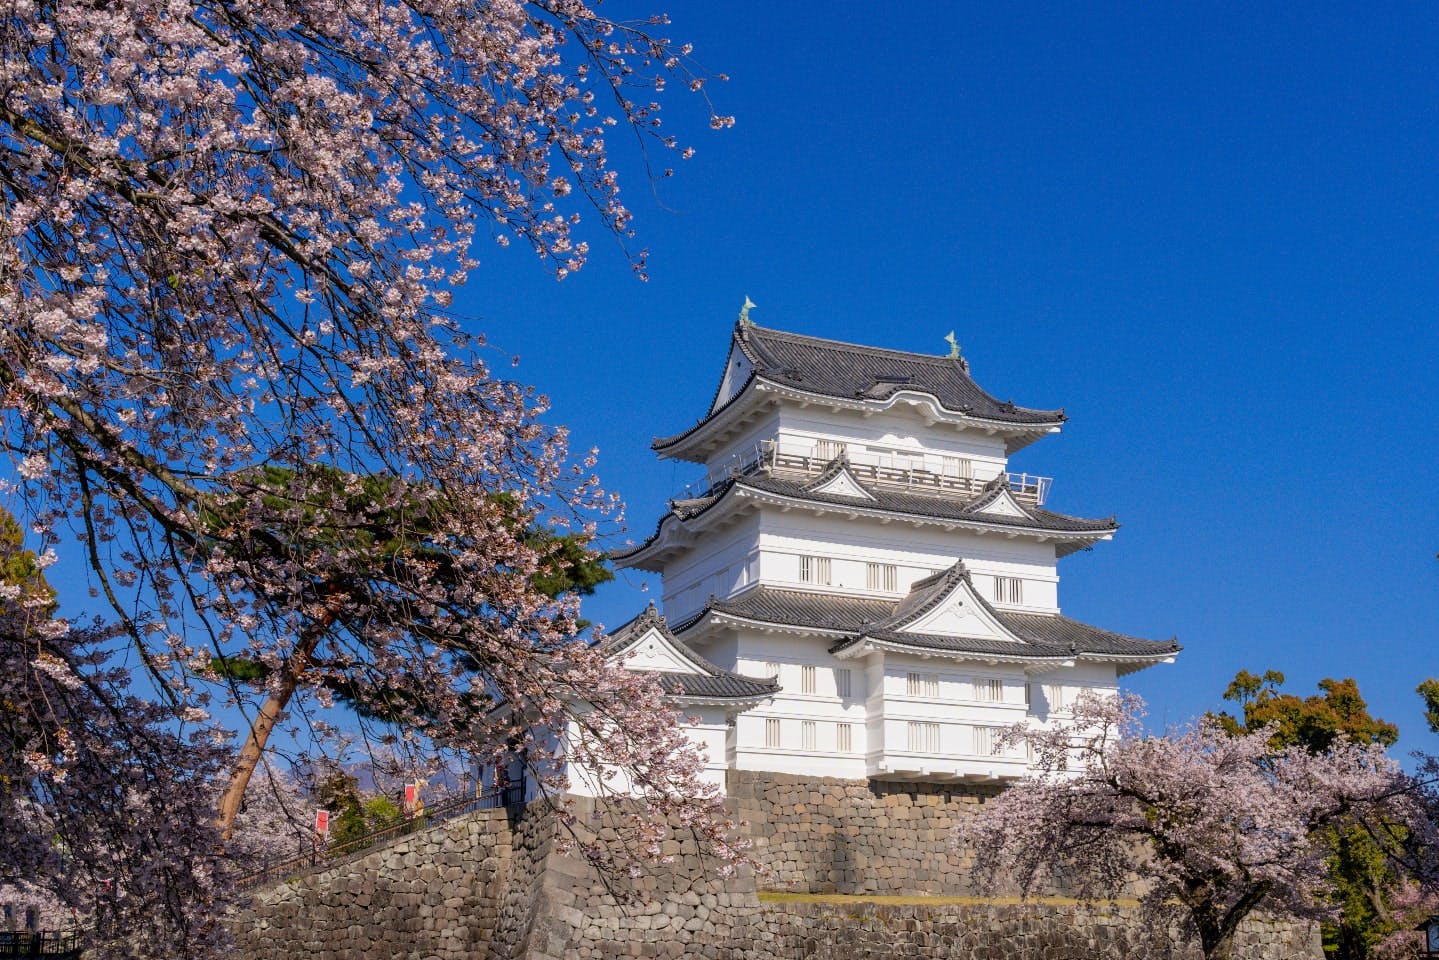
{"type": "Point", "coordinates": [328, 855]}
{"type": "Point", "coordinates": [52, 944]}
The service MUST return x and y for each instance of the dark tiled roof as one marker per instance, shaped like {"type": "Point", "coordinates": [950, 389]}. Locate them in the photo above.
{"type": "Point", "coordinates": [711, 682]}
{"type": "Point", "coordinates": [1062, 632]}
{"type": "Point", "coordinates": [852, 371]}
{"type": "Point", "coordinates": [907, 504]}
{"type": "Point", "coordinates": [1044, 635]}
{"type": "Point", "coordinates": [797, 607]}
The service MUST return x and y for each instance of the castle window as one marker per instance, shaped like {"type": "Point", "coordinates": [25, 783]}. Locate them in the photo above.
{"type": "Point", "coordinates": [1008, 590]}
{"type": "Point", "coordinates": [1054, 693]}
{"type": "Point", "coordinates": [842, 687]}
{"type": "Point", "coordinates": [771, 669]}
{"type": "Point", "coordinates": [807, 734]}
{"type": "Point", "coordinates": [806, 679]}
{"type": "Point", "coordinates": [984, 741]}
{"type": "Point", "coordinates": [844, 737]}
{"type": "Point", "coordinates": [922, 685]}
{"type": "Point", "coordinates": [881, 576]}
{"type": "Point", "coordinates": [814, 570]}
{"type": "Point", "coordinates": [827, 450]}
{"type": "Point", "coordinates": [956, 467]}
{"type": "Point", "coordinates": [771, 733]}
{"type": "Point", "coordinates": [923, 737]}
{"type": "Point", "coordinates": [988, 688]}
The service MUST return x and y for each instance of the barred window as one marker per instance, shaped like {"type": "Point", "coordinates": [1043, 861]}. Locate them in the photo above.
{"type": "Point", "coordinates": [1056, 695]}
{"type": "Point", "coordinates": [842, 688]}
{"type": "Point", "coordinates": [828, 450]}
{"type": "Point", "coordinates": [922, 685]}
{"type": "Point", "coordinates": [771, 733]}
{"type": "Point", "coordinates": [923, 737]}
{"type": "Point", "coordinates": [988, 688]}
{"type": "Point", "coordinates": [881, 576]}
{"type": "Point", "coordinates": [984, 741]}
{"type": "Point", "coordinates": [772, 669]}
{"type": "Point", "coordinates": [844, 737]}
{"type": "Point", "coordinates": [806, 679]}
{"type": "Point", "coordinates": [1008, 590]}
{"type": "Point", "coordinates": [956, 467]}
{"type": "Point", "coordinates": [807, 734]}
{"type": "Point", "coordinates": [814, 570]}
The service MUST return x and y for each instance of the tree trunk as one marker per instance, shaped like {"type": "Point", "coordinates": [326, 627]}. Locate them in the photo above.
{"type": "Point", "coordinates": [268, 716]}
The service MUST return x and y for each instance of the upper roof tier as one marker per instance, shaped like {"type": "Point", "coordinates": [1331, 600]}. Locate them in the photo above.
{"type": "Point", "coordinates": [779, 364]}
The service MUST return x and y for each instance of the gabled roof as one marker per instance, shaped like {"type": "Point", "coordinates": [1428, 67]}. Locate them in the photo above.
{"type": "Point", "coordinates": [853, 496]}
{"type": "Point", "coordinates": [682, 673]}
{"type": "Point", "coordinates": [853, 623]}
{"type": "Point", "coordinates": [870, 375]}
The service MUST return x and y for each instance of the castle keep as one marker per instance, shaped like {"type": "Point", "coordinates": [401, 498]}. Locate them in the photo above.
{"type": "Point", "coordinates": [863, 588]}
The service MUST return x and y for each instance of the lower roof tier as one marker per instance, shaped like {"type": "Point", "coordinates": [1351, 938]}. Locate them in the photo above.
{"type": "Point", "coordinates": [943, 615]}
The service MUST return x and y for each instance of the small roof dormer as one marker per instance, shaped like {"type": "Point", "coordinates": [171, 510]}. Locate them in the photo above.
{"type": "Point", "coordinates": [646, 644]}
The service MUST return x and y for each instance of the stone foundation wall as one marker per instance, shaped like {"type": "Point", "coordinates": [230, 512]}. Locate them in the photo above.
{"type": "Point", "coordinates": [436, 893]}
{"type": "Point", "coordinates": [493, 887]}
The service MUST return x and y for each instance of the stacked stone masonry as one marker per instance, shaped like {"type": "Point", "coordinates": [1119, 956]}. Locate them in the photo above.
{"type": "Point", "coordinates": [493, 887]}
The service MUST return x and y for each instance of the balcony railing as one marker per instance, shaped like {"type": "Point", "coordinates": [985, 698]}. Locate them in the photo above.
{"type": "Point", "coordinates": [890, 471]}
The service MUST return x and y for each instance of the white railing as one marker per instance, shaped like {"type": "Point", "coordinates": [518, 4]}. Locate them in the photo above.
{"type": "Point", "coordinates": [889, 469]}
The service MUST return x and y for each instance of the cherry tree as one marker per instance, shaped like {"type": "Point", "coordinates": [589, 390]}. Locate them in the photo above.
{"type": "Point", "coordinates": [106, 797]}
{"type": "Point", "coordinates": [231, 378]}
{"type": "Point", "coordinates": [1216, 825]}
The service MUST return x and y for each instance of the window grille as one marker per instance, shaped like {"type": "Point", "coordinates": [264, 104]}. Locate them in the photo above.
{"type": "Point", "coordinates": [827, 450]}
{"type": "Point", "coordinates": [1008, 590]}
{"type": "Point", "coordinates": [806, 734]}
{"type": "Point", "coordinates": [922, 685]}
{"type": "Point", "coordinates": [771, 733]}
{"type": "Point", "coordinates": [988, 688]}
{"type": "Point", "coordinates": [772, 669]}
{"type": "Point", "coordinates": [814, 570]}
{"type": "Point", "coordinates": [844, 737]}
{"type": "Point", "coordinates": [1055, 694]}
{"type": "Point", "coordinates": [881, 576]}
{"type": "Point", "coordinates": [956, 467]}
{"type": "Point", "coordinates": [923, 737]}
{"type": "Point", "coordinates": [806, 679]}
{"type": "Point", "coordinates": [842, 688]}
{"type": "Point", "coordinates": [984, 741]}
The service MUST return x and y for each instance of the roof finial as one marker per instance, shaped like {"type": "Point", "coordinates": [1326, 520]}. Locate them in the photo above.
{"type": "Point", "coordinates": [744, 310]}
{"type": "Point", "coordinates": [954, 351]}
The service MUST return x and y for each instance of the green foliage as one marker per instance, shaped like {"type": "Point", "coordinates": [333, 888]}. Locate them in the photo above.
{"type": "Point", "coordinates": [20, 567]}
{"type": "Point", "coordinates": [1429, 690]}
{"type": "Point", "coordinates": [1311, 722]}
{"type": "Point", "coordinates": [1360, 871]}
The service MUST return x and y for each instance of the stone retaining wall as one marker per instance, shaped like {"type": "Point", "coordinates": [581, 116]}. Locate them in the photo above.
{"type": "Point", "coordinates": [492, 887]}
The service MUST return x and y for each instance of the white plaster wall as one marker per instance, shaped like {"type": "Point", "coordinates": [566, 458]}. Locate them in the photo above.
{"type": "Point", "coordinates": [754, 653]}
{"type": "Point", "coordinates": [916, 551]}
{"type": "Point", "coordinates": [706, 727]}
{"type": "Point", "coordinates": [902, 429]}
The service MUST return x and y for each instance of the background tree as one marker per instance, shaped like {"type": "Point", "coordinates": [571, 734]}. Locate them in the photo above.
{"type": "Point", "coordinates": [230, 241]}
{"type": "Point", "coordinates": [1219, 825]}
{"type": "Point", "coordinates": [1363, 874]}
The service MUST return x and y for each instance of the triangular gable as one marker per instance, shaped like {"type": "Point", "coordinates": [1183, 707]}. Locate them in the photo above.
{"type": "Point", "coordinates": [840, 482]}
{"type": "Point", "coordinates": [954, 609]}
{"type": "Point", "coordinates": [654, 651]}
{"type": "Point", "coordinates": [737, 370]}
{"type": "Point", "coordinates": [1001, 503]}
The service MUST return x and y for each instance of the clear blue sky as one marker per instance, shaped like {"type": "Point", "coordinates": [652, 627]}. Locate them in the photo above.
{"type": "Point", "coordinates": [1210, 234]}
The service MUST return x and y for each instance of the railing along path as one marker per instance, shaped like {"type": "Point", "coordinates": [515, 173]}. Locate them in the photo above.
{"type": "Point", "coordinates": [327, 855]}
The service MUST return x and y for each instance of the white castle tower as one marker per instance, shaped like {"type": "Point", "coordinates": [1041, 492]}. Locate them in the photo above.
{"type": "Point", "coordinates": [864, 589]}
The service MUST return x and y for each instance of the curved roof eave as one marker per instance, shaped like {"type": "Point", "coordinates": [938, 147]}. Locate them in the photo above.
{"type": "Point", "coordinates": [676, 445]}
